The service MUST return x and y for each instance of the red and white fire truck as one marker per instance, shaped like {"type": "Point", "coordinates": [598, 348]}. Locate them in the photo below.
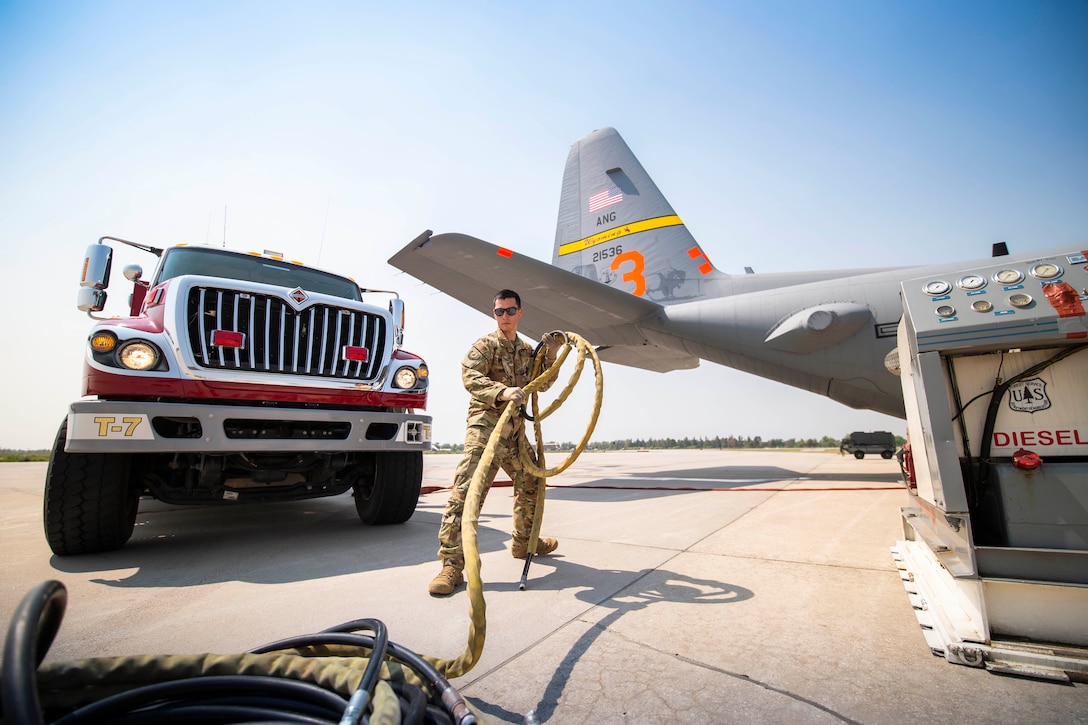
{"type": "Point", "coordinates": [235, 377]}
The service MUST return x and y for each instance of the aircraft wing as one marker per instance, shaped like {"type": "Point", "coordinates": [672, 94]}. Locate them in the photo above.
{"type": "Point", "coordinates": [648, 357]}
{"type": "Point", "coordinates": [472, 271]}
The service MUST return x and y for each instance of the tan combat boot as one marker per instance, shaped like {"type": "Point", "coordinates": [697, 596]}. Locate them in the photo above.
{"type": "Point", "coordinates": [544, 546]}
{"type": "Point", "coordinates": [447, 580]}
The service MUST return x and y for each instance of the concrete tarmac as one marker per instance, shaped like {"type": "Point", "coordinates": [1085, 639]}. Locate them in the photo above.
{"type": "Point", "coordinates": [673, 595]}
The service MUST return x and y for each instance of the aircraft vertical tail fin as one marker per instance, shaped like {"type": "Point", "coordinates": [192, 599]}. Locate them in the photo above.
{"type": "Point", "coordinates": [615, 227]}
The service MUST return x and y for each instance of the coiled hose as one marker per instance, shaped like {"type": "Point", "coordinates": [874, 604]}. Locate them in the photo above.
{"type": "Point", "coordinates": [339, 675]}
{"type": "Point", "coordinates": [470, 521]}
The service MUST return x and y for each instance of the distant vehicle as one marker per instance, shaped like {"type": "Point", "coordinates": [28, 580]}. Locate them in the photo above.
{"type": "Point", "coordinates": [628, 275]}
{"type": "Point", "coordinates": [234, 378]}
{"type": "Point", "coordinates": [860, 443]}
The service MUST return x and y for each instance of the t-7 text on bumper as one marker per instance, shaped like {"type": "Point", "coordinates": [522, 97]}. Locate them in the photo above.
{"type": "Point", "coordinates": [109, 426]}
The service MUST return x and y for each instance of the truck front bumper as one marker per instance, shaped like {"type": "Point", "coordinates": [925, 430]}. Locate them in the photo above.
{"type": "Point", "coordinates": [103, 426]}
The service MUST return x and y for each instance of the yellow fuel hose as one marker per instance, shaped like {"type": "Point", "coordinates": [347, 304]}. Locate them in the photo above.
{"type": "Point", "coordinates": [470, 520]}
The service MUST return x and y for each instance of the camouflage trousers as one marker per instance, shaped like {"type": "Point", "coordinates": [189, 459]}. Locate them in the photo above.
{"type": "Point", "coordinates": [525, 490]}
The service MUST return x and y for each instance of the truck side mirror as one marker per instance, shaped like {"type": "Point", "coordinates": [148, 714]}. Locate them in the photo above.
{"type": "Point", "coordinates": [96, 277]}
{"type": "Point", "coordinates": [96, 266]}
{"type": "Point", "coordinates": [133, 272]}
{"type": "Point", "coordinates": [91, 299]}
{"type": "Point", "coordinates": [396, 309]}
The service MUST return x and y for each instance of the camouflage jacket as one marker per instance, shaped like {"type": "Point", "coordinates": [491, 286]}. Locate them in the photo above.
{"type": "Point", "coordinates": [491, 365]}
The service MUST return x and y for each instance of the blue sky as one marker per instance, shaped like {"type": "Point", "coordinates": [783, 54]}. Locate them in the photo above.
{"type": "Point", "coordinates": [787, 135]}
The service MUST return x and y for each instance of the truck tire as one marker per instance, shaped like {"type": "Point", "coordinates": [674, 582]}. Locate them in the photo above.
{"type": "Point", "coordinates": [90, 504]}
{"type": "Point", "coordinates": [859, 455]}
{"type": "Point", "coordinates": [389, 490]}
{"type": "Point", "coordinates": [886, 455]}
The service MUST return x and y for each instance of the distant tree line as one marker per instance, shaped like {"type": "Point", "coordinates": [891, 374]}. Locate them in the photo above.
{"type": "Point", "coordinates": [10, 456]}
{"type": "Point", "coordinates": [626, 444]}
{"type": "Point", "coordinates": [715, 443]}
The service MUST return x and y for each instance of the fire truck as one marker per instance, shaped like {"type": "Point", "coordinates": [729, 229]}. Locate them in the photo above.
{"type": "Point", "coordinates": [235, 378]}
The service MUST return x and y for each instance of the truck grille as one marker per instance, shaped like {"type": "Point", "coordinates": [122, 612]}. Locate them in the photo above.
{"type": "Point", "coordinates": [277, 339]}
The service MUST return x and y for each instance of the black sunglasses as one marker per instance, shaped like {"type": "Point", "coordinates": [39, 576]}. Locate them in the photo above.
{"type": "Point", "coordinates": [500, 311]}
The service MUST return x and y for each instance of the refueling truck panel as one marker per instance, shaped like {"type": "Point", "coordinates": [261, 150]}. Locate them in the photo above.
{"type": "Point", "coordinates": [995, 555]}
{"type": "Point", "coordinates": [235, 378]}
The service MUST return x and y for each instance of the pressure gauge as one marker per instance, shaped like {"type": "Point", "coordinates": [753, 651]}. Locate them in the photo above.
{"type": "Point", "coordinates": [936, 287]}
{"type": "Point", "coordinates": [972, 282]}
{"type": "Point", "coordinates": [1008, 276]}
{"type": "Point", "coordinates": [946, 311]}
{"type": "Point", "coordinates": [981, 306]}
{"type": "Point", "coordinates": [1020, 300]}
{"type": "Point", "coordinates": [1046, 270]}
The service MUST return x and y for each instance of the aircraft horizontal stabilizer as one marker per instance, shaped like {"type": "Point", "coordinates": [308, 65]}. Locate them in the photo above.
{"type": "Point", "coordinates": [471, 271]}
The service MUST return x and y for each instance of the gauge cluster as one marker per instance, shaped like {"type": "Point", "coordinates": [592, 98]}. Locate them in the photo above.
{"type": "Point", "coordinates": [1006, 303]}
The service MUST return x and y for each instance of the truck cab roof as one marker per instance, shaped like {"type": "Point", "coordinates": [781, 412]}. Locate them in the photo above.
{"type": "Point", "coordinates": [265, 269]}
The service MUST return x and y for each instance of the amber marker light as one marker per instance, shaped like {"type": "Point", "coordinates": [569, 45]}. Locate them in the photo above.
{"type": "Point", "coordinates": [103, 342]}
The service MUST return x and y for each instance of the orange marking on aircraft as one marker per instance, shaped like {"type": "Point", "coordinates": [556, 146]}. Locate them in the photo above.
{"type": "Point", "coordinates": [706, 267]}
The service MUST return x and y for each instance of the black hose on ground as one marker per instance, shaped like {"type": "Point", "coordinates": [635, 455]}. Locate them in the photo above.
{"type": "Point", "coordinates": [33, 627]}
{"type": "Point", "coordinates": [227, 698]}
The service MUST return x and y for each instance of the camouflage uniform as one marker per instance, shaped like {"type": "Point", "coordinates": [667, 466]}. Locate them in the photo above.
{"type": "Point", "coordinates": [492, 365]}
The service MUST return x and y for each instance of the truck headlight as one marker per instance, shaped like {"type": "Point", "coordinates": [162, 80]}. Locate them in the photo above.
{"type": "Point", "coordinates": [138, 356]}
{"type": "Point", "coordinates": [405, 378]}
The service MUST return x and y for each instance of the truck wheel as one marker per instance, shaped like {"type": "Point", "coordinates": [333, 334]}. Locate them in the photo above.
{"type": "Point", "coordinates": [90, 504]}
{"type": "Point", "coordinates": [389, 490]}
{"type": "Point", "coordinates": [859, 455]}
{"type": "Point", "coordinates": [886, 455]}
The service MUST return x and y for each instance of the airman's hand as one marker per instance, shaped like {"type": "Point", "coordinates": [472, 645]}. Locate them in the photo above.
{"type": "Point", "coordinates": [511, 393]}
{"type": "Point", "coordinates": [554, 340]}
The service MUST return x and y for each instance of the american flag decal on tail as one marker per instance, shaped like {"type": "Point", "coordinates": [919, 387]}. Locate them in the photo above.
{"type": "Point", "coordinates": [608, 197]}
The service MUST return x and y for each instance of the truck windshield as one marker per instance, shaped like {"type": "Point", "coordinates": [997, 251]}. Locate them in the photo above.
{"type": "Point", "coordinates": [180, 261]}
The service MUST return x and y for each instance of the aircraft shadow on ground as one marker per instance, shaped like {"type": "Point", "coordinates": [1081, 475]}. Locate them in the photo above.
{"type": "Point", "coordinates": [696, 480]}
{"type": "Point", "coordinates": [732, 473]}
{"type": "Point", "coordinates": [616, 590]}
{"type": "Point", "coordinates": [785, 475]}
{"type": "Point", "coordinates": [658, 484]}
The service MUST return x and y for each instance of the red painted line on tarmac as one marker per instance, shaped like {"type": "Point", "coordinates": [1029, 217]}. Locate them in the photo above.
{"type": "Point", "coordinates": [693, 488]}
{"type": "Point", "coordinates": [506, 484]}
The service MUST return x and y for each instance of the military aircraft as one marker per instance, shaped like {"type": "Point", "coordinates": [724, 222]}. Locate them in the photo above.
{"type": "Point", "coordinates": [627, 275]}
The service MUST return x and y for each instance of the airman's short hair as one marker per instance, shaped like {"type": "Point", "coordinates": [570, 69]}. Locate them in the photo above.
{"type": "Point", "coordinates": [508, 294]}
